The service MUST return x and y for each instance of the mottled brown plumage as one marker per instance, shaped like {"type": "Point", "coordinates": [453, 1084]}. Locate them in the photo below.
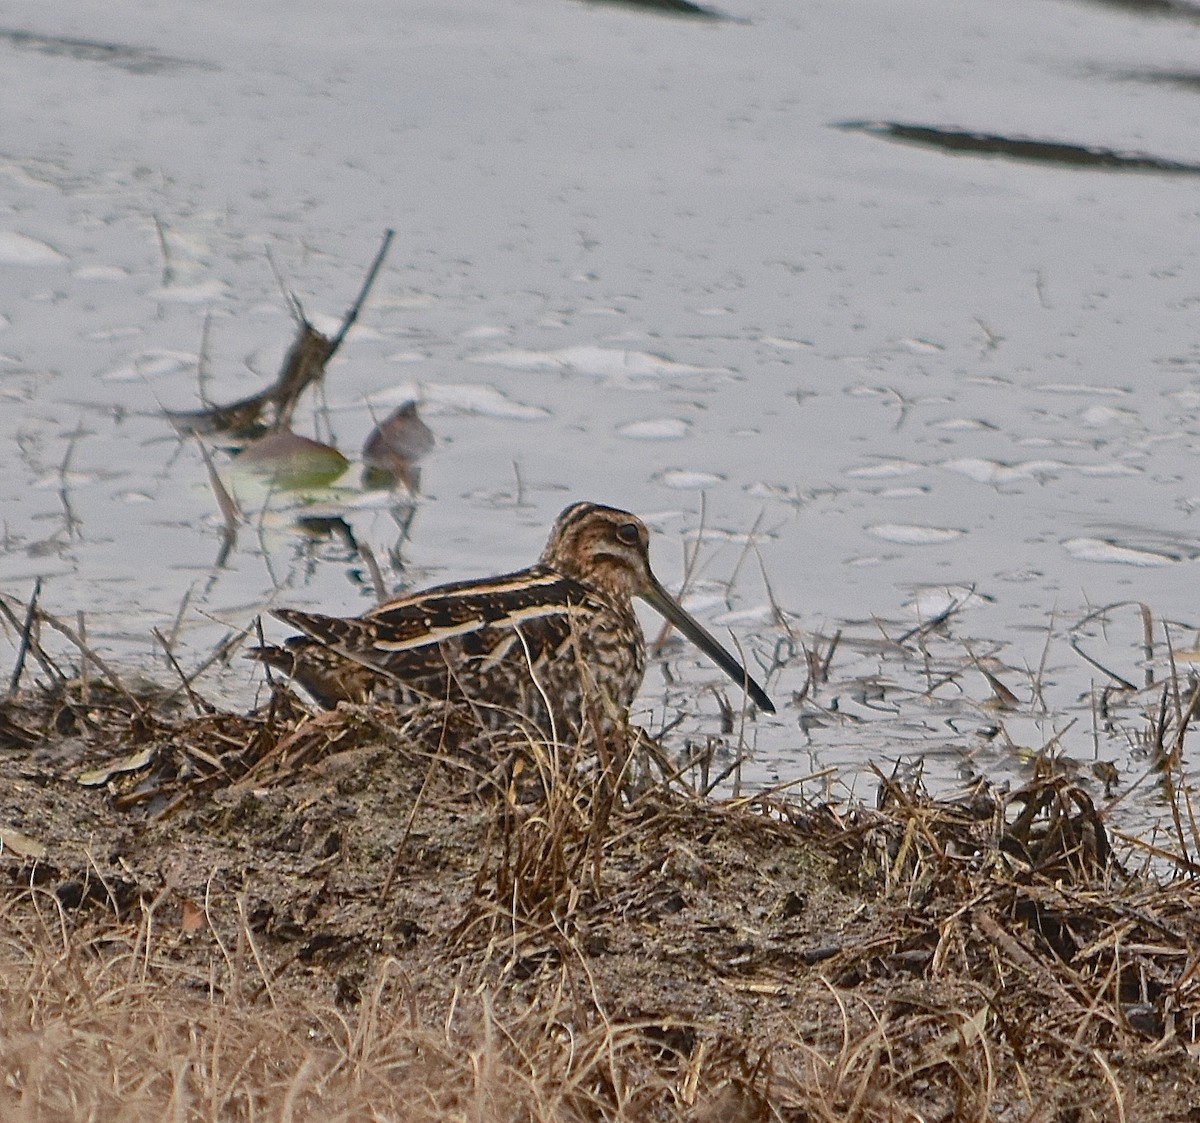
{"type": "Point", "coordinates": [552, 648]}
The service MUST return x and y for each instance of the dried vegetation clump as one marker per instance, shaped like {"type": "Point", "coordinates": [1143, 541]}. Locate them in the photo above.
{"type": "Point", "coordinates": [287, 916]}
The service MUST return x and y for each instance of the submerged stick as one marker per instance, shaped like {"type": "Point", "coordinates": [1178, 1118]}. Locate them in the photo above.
{"type": "Point", "coordinates": [33, 644]}
{"type": "Point", "coordinates": [26, 632]}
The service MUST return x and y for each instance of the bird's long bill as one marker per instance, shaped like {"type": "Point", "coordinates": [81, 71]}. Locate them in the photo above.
{"type": "Point", "coordinates": [659, 599]}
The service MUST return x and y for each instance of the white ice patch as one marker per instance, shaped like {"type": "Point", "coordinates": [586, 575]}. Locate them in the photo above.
{"type": "Point", "coordinates": [20, 249]}
{"type": "Point", "coordinates": [100, 273]}
{"type": "Point", "coordinates": [55, 480]}
{"type": "Point", "coordinates": [996, 472]}
{"type": "Point", "coordinates": [785, 344]}
{"type": "Point", "coordinates": [401, 301]}
{"type": "Point", "coordinates": [204, 292]}
{"type": "Point", "coordinates": [737, 537]}
{"type": "Point", "coordinates": [475, 398]}
{"type": "Point", "coordinates": [481, 400]}
{"type": "Point", "coordinates": [1103, 471]}
{"type": "Point", "coordinates": [1082, 388]}
{"type": "Point", "coordinates": [655, 429]}
{"type": "Point", "coordinates": [485, 331]}
{"type": "Point", "coordinates": [377, 500]}
{"type": "Point", "coordinates": [103, 335]}
{"type": "Point", "coordinates": [1101, 550]}
{"type": "Point", "coordinates": [759, 614]}
{"type": "Point", "coordinates": [596, 362]}
{"type": "Point", "coordinates": [962, 424]}
{"type": "Point", "coordinates": [906, 534]}
{"type": "Point", "coordinates": [884, 470]}
{"type": "Point", "coordinates": [934, 600]}
{"type": "Point", "coordinates": [702, 603]}
{"type": "Point", "coordinates": [151, 364]}
{"type": "Point", "coordinates": [1096, 417]}
{"type": "Point", "coordinates": [684, 479]}
{"type": "Point", "coordinates": [407, 357]}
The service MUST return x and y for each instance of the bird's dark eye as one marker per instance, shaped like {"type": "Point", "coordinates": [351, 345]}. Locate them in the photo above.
{"type": "Point", "coordinates": [628, 533]}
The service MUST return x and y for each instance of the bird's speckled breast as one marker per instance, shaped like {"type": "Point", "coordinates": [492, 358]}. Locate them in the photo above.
{"type": "Point", "coordinates": [560, 672]}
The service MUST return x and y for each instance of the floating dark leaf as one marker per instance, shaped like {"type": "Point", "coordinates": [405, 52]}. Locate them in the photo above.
{"type": "Point", "coordinates": [394, 448]}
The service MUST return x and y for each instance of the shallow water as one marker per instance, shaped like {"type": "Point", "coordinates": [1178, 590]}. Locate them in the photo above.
{"type": "Point", "coordinates": [637, 261]}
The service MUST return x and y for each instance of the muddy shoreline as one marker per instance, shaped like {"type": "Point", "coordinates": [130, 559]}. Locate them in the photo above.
{"type": "Point", "coordinates": [596, 948]}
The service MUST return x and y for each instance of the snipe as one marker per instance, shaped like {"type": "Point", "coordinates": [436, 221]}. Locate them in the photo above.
{"type": "Point", "coordinates": [553, 648]}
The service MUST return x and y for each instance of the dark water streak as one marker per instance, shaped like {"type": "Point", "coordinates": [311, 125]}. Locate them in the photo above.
{"type": "Point", "coordinates": [136, 60]}
{"type": "Point", "coordinates": [1057, 153]}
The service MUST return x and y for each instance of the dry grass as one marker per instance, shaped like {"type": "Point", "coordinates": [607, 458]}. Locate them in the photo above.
{"type": "Point", "coordinates": [282, 916]}
{"type": "Point", "coordinates": [99, 1028]}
